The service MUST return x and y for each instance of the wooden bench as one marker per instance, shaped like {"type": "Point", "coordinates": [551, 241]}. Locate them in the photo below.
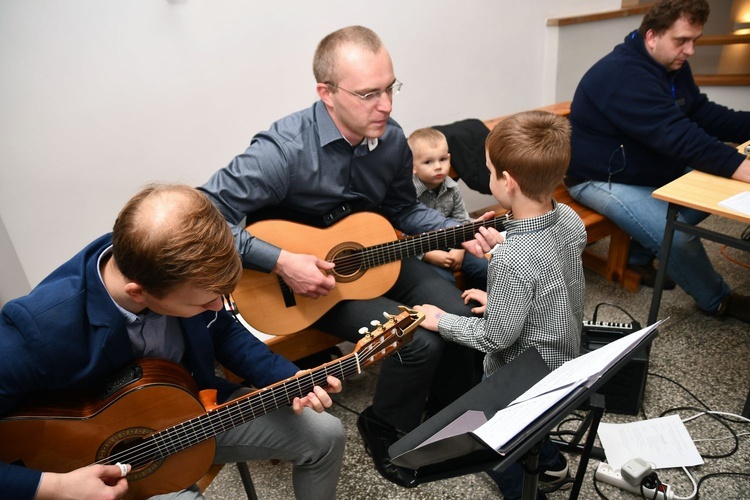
{"type": "Point", "coordinates": [614, 266]}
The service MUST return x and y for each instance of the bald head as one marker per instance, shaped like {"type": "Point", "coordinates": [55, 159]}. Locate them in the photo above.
{"type": "Point", "coordinates": [325, 61]}
{"type": "Point", "coordinates": [171, 234]}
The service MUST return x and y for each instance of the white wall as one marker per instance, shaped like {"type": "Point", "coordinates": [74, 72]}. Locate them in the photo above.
{"type": "Point", "coordinates": [12, 279]}
{"type": "Point", "coordinates": [99, 97]}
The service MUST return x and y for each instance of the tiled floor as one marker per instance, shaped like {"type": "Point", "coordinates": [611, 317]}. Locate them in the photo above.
{"type": "Point", "coordinates": [710, 357]}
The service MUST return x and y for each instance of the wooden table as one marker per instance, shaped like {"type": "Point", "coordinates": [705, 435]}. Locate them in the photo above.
{"type": "Point", "coordinates": [700, 191]}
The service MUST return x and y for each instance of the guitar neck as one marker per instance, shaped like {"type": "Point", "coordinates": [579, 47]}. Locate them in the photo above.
{"type": "Point", "coordinates": [411, 246]}
{"type": "Point", "coordinates": [375, 345]}
{"type": "Point", "coordinates": [251, 406]}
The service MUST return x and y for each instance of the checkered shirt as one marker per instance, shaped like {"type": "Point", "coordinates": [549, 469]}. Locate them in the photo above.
{"type": "Point", "coordinates": [535, 289]}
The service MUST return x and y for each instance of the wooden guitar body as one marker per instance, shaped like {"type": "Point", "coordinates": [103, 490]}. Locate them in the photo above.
{"type": "Point", "coordinates": [268, 304]}
{"type": "Point", "coordinates": [77, 433]}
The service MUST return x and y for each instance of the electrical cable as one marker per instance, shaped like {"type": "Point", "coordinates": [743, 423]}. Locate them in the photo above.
{"type": "Point", "coordinates": [596, 310]}
{"type": "Point", "coordinates": [719, 474]}
{"type": "Point", "coordinates": [695, 487]}
{"type": "Point", "coordinates": [651, 374]}
{"type": "Point", "coordinates": [732, 259]}
{"type": "Point", "coordinates": [741, 419]}
{"type": "Point", "coordinates": [745, 237]}
{"type": "Point", "coordinates": [718, 419]}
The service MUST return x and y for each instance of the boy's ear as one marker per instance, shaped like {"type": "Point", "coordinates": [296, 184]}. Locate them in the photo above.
{"type": "Point", "coordinates": [509, 180]}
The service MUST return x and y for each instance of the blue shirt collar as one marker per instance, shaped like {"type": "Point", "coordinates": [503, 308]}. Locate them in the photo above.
{"type": "Point", "coordinates": [328, 132]}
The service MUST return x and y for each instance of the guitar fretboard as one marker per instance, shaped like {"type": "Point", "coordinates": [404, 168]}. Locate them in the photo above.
{"type": "Point", "coordinates": [163, 443]}
{"type": "Point", "coordinates": [411, 246]}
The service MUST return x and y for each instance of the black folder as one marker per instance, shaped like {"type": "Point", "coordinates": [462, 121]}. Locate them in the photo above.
{"type": "Point", "coordinates": [462, 450]}
{"type": "Point", "coordinates": [492, 394]}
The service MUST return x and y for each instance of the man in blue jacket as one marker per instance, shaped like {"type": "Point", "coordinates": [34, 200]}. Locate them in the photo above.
{"type": "Point", "coordinates": [153, 288]}
{"type": "Point", "coordinates": [638, 122]}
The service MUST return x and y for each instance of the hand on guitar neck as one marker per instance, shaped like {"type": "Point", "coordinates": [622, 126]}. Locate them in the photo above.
{"type": "Point", "coordinates": [303, 274]}
{"type": "Point", "coordinates": [318, 399]}
{"type": "Point", "coordinates": [485, 239]}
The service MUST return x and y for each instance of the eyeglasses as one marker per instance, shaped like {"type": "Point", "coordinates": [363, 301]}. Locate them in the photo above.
{"type": "Point", "coordinates": [372, 97]}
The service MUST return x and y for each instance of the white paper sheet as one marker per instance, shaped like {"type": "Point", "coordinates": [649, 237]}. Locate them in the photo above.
{"type": "Point", "coordinates": [664, 442]}
{"type": "Point", "coordinates": [739, 202]}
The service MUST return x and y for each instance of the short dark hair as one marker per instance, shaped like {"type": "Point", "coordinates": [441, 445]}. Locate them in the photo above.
{"type": "Point", "coordinates": [534, 148]}
{"type": "Point", "coordinates": [172, 234]}
{"type": "Point", "coordinates": [662, 15]}
{"type": "Point", "coordinates": [326, 54]}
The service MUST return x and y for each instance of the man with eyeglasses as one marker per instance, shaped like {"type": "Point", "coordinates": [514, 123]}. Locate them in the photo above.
{"type": "Point", "coordinates": [343, 155]}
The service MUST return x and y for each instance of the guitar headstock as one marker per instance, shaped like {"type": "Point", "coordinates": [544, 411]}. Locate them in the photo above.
{"type": "Point", "coordinates": [386, 338]}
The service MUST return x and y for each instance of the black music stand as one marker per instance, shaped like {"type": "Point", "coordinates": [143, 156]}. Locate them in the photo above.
{"type": "Point", "coordinates": [463, 453]}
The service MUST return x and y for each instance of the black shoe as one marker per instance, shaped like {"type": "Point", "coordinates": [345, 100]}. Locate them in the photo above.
{"type": "Point", "coordinates": [557, 477]}
{"type": "Point", "coordinates": [378, 437]}
{"type": "Point", "coordinates": [735, 306]}
{"type": "Point", "coordinates": [648, 276]}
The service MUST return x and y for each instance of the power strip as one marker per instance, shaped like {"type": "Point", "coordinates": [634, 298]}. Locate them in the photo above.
{"type": "Point", "coordinates": [607, 474]}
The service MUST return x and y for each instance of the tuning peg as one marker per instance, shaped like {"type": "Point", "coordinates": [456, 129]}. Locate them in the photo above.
{"type": "Point", "coordinates": [363, 331]}
{"type": "Point", "coordinates": [375, 323]}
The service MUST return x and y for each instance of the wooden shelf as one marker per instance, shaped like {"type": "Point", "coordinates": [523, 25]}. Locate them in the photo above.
{"type": "Point", "coordinates": [722, 80]}
{"type": "Point", "coordinates": [728, 39]}
{"type": "Point", "coordinates": [635, 10]}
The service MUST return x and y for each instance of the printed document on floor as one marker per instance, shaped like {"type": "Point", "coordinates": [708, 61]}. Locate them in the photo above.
{"type": "Point", "coordinates": [664, 442]}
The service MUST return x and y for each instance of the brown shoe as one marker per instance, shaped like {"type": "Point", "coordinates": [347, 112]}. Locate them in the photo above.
{"type": "Point", "coordinates": [648, 276]}
{"type": "Point", "coordinates": [738, 307]}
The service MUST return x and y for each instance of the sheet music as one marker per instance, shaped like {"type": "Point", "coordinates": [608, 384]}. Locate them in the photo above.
{"type": "Point", "coordinates": [582, 371]}
{"type": "Point", "coordinates": [739, 202]}
{"type": "Point", "coordinates": [511, 420]}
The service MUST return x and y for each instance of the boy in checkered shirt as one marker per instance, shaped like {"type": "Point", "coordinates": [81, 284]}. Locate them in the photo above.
{"type": "Point", "coordinates": [535, 281]}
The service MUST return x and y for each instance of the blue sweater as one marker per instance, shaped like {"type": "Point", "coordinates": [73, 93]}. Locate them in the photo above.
{"type": "Point", "coordinates": [633, 122]}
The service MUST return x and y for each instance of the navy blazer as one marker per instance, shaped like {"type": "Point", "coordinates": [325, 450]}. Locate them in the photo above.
{"type": "Point", "coordinates": [67, 334]}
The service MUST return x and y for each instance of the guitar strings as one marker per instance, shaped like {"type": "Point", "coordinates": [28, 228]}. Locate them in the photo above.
{"type": "Point", "coordinates": [395, 250]}
{"type": "Point", "coordinates": [384, 253]}
{"type": "Point", "coordinates": [165, 442]}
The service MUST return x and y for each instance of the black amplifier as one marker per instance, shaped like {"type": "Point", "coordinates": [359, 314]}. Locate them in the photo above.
{"type": "Point", "coordinates": [623, 393]}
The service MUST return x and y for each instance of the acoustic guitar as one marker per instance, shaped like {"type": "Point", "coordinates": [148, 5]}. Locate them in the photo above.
{"type": "Point", "coordinates": [151, 418]}
{"type": "Point", "coordinates": [367, 258]}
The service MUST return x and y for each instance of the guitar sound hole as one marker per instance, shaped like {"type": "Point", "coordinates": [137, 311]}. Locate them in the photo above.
{"type": "Point", "coordinates": [132, 446]}
{"type": "Point", "coordinates": [348, 259]}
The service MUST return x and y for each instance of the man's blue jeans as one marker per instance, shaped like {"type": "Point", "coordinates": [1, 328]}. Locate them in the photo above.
{"type": "Point", "coordinates": [644, 218]}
